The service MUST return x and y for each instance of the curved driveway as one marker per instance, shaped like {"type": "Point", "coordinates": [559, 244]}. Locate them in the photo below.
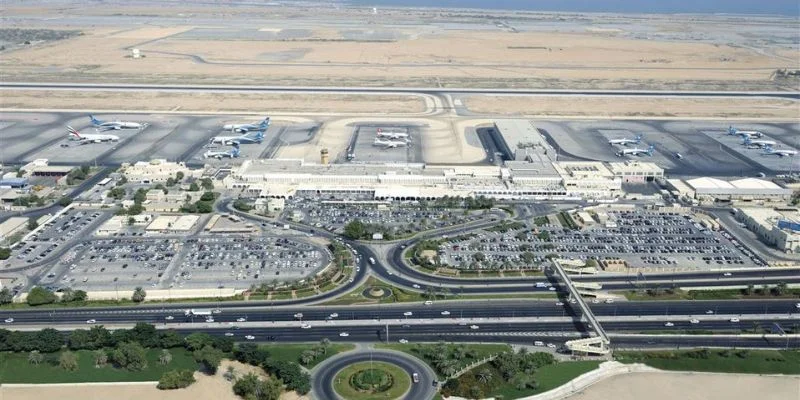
{"type": "Point", "coordinates": [323, 374]}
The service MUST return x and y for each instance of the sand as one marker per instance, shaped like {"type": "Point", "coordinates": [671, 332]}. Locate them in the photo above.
{"type": "Point", "coordinates": [213, 102]}
{"type": "Point", "coordinates": [692, 386]}
{"type": "Point", "coordinates": [206, 388]}
{"type": "Point", "coordinates": [600, 106]}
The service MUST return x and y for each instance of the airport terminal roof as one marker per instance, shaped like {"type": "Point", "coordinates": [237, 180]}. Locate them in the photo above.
{"type": "Point", "coordinates": [749, 186]}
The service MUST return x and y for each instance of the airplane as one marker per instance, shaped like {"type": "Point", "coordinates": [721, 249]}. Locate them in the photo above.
{"type": "Point", "coordinates": [389, 143]}
{"type": "Point", "coordinates": [243, 139]}
{"type": "Point", "coordinates": [753, 134]}
{"type": "Point", "coordinates": [391, 135]}
{"type": "Point", "coordinates": [768, 151]}
{"type": "Point", "coordinates": [115, 125]}
{"type": "Point", "coordinates": [244, 128]}
{"type": "Point", "coordinates": [232, 153]}
{"type": "Point", "coordinates": [636, 151]}
{"type": "Point", "coordinates": [757, 143]}
{"type": "Point", "coordinates": [626, 141]}
{"type": "Point", "coordinates": [91, 138]}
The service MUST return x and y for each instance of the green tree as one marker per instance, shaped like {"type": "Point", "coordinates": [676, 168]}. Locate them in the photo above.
{"type": "Point", "coordinates": [207, 184]}
{"type": "Point", "coordinates": [170, 181]}
{"type": "Point", "coordinates": [130, 355]}
{"type": "Point", "coordinates": [197, 341]}
{"type": "Point", "coordinates": [176, 379]}
{"type": "Point", "coordinates": [138, 294]}
{"type": "Point", "coordinates": [248, 353]}
{"type": "Point", "coordinates": [484, 375]}
{"type": "Point", "coordinates": [35, 357]}
{"type": "Point", "coordinates": [117, 193]}
{"type": "Point", "coordinates": [100, 358]}
{"type": "Point", "coordinates": [207, 196]}
{"type": "Point", "coordinates": [524, 381]}
{"type": "Point", "coordinates": [5, 295]}
{"type": "Point", "coordinates": [169, 339]}
{"type": "Point", "coordinates": [179, 176]}
{"type": "Point", "coordinates": [68, 360]}
{"type": "Point", "coordinates": [210, 357]}
{"type": "Point", "coordinates": [32, 224]}
{"type": "Point", "coordinates": [165, 357]}
{"type": "Point", "coordinates": [39, 295]}
{"type": "Point", "coordinates": [204, 207]}
{"type": "Point", "coordinates": [479, 257]}
{"type": "Point", "coordinates": [193, 187]}
{"type": "Point", "coordinates": [79, 339]}
{"type": "Point", "coordinates": [355, 229]}
{"type": "Point", "coordinates": [307, 357]}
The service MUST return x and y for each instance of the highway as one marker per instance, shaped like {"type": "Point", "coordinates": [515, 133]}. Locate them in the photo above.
{"type": "Point", "coordinates": [453, 309]}
{"type": "Point", "coordinates": [420, 90]}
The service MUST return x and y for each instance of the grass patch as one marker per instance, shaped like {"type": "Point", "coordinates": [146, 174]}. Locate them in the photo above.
{"type": "Point", "coordinates": [291, 352]}
{"type": "Point", "coordinates": [15, 368]}
{"type": "Point", "coordinates": [400, 381]}
{"type": "Point", "coordinates": [470, 352]}
{"type": "Point", "coordinates": [718, 360]}
{"type": "Point", "coordinates": [724, 294]}
{"type": "Point", "coordinates": [548, 377]}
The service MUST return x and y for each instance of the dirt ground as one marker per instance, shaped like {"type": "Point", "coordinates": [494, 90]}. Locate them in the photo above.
{"type": "Point", "coordinates": [206, 388]}
{"type": "Point", "coordinates": [692, 386]}
{"type": "Point", "coordinates": [633, 107]}
{"type": "Point", "coordinates": [212, 102]}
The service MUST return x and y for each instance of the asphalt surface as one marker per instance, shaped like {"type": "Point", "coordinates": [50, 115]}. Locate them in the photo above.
{"type": "Point", "coordinates": [326, 372]}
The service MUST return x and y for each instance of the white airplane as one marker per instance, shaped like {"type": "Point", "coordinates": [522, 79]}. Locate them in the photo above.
{"type": "Point", "coordinates": [757, 143]}
{"type": "Point", "coordinates": [636, 152]}
{"type": "Point", "coordinates": [752, 134]}
{"type": "Point", "coordinates": [244, 128]}
{"type": "Point", "coordinates": [626, 141]}
{"type": "Point", "coordinates": [769, 151]}
{"type": "Point", "coordinates": [115, 125]}
{"type": "Point", "coordinates": [391, 135]}
{"type": "Point", "coordinates": [91, 138]}
{"type": "Point", "coordinates": [387, 144]}
{"type": "Point", "coordinates": [243, 139]}
{"type": "Point", "coordinates": [232, 153]}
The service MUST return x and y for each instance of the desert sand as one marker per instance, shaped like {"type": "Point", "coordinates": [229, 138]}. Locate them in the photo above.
{"type": "Point", "coordinates": [206, 388]}
{"type": "Point", "coordinates": [600, 106]}
{"type": "Point", "coordinates": [692, 386]}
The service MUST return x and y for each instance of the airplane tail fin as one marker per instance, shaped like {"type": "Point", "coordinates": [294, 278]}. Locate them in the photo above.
{"type": "Point", "coordinates": [259, 135]}
{"type": "Point", "coordinates": [235, 151]}
{"type": "Point", "coordinates": [638, 138]}
{"type": "Point", "coordinates": [651, 149]}
{"type": "Point", "coordinates": [73, 132]}
{"type": "Point", "coordinates": [731, 130]}
{"type": "Point", "coordinates": [94, 120]}
{"type": "Point", "coordinates": [768, 149]}
{"type": "Point", "coordinates": [265, 123]}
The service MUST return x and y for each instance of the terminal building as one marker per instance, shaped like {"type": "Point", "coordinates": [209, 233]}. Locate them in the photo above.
{"type": "Point", "coordinates": [156, 171]}
{"type": "Point", "coordinates": [741, 191]}
{"type": "Point", "coordinates": [530, 170]}
{"type": "Point", "coordinates": [778, 227]}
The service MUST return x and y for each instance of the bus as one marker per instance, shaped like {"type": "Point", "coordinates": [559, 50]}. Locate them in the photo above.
{"type": "Point", "coordinates": [104, 182]}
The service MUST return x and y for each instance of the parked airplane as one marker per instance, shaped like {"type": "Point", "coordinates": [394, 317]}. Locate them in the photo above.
{"type": "Point", "coordinates": [752, 134]}
{"type": "Point", "coordinates": [757, 143]}
{"type": "Point", "coordinates": [768, 150]}
{"type": "Point", "coordinates": [115, 125]}
{"type": "Point", "coordinates": [636, 152]}
{"type": "Point", "coordinates": [243, 139]}
{"type": "Point", "coordinates": [90, 138]}
{"type": "Point", "coordinates": [391, 135]}
{"type": "Point", "coordinates": [386, 144]}
{"type": "Point", "coordinates": [244, 128]}
{"type": "Point", "coordinates": [232, 153]}
{"type": "Point", "coordinates": [626, 141]}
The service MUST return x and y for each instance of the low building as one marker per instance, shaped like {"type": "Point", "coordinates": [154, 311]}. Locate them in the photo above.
{"type": "Point", "coordinates": [740, 191]}
{"type": "Point", "coordinates": [172, 223]}
{"type": "Point", "coordinates": [156, 171]}
{"type": "Point", "coordinates": [778, 227]}
{"type": "Point", "coordinates": [111, 226]}
{"type": "Point", "coordinates": [12, 226]}
{"type": "Point", "coordinates": [13, 183]}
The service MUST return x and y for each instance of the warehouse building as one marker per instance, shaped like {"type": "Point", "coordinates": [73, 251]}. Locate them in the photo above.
{"type": "Point", "coordinates": [778, 227]}
{"type": "Point", "coordinates": [741, 191]}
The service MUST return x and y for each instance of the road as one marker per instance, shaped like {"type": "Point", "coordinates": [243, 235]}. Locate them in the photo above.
{"type": "Point", "coordinates": [326, 371]}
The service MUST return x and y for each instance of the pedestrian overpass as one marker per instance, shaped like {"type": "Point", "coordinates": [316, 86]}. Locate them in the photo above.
{"type": "Point", "coordinates": [598, 344]}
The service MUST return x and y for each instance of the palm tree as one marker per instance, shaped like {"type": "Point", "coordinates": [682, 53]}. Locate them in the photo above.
{"type": "Point", "coordinates": [100, 358]}
{"type": "Point", "coordinates": [524, 381]}
{"type": "Point", "coordinates": [307, 356]}
{"type": "Point", "coordinates": [34, 357]}
{"type": "Point", "coordinates": [325, 343]}
{"type": "Point", "coordinates": [448, 367]}
{"type": "Point", "coordinates": [484, 375]}
{"type": "Point", "coordinates": [165, 357]}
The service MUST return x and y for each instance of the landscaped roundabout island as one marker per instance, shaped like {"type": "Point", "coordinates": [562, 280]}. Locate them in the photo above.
{"type": "Point", "coordinates": [371, 380]}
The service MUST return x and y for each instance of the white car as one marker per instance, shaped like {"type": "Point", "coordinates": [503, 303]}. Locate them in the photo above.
{"type": "Point", "coordinates": [9, 320]}
{"type": "Point", "coordinates": [595, 301]}
{"type": "Point", "coordinates": [559, 303]}
{"type": "Point", "coordinates": [298, 315]}
{"type": "Point", "coordinates": [538, 343]}
{"type": "Point", "coordinates": [727, 274]}
{"type": "Point", "coordinates": [710, 312]}
{"type": "Point", "coordinates": [609, 301]}
{"type": "Point", "coordinates": [694, 321]}
{"type": "Point", "coordinates": [91, 321]}
{"type": "Point", "coordinates": [334, 315]}
{"type": "Point", "coordinates": [209, 319]}
{"type": "Point", "coordinates": [797, 305]}
{"type": "Point", "coordinates": [552, 289]}
{"type": "Point", "coordinates": [169, 318]}
{"type": "Point", "coordinates": [474, 327]}
{"type": "Point", "coordinates": [669, 324]}
{"type": "Point", "coordinates": [428, 302]}
{"type": "Point", "coordinates": [408, 314]}
{"type": "Point", "coordinates": [551, 345]}
{"type": "Point", "coordinates": [228, 333]}
{"type": "Point", "coordinates": [445, 312]}
{"type": "Point", "coordinates": [734, 319]}
{"type": "Point", "coordinates": [403, 341]}
{"type": "Point", "coordinates": [249, 337]}
{"type": "Point", "coordinates": [344, 334]}
{"type": "Point", "coordinates": [306, 326]}
{"type": "Point", "coordinates": [415, 286]}
{"type": "Point", "coordinates": [572, 301]}
{"type": "Point", "coordinates": [241, 320]}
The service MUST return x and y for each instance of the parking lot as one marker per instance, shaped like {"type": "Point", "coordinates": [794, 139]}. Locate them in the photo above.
{"type": "Point", "coordinates": [398, 219]}
{"type": "Point", "coordinates": [639, 237]}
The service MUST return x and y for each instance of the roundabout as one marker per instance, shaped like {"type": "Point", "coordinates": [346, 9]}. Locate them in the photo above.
{"type": "Point", "coordinates": [372, 375]}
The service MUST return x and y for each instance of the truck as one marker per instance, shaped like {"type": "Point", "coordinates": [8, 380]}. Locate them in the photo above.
{"type": "Point", "coordinates": [415, 376]}
{"type": "Point", "coordinates": [198, 312]}
{"type": "Point", "coordinates": [372, 261]}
